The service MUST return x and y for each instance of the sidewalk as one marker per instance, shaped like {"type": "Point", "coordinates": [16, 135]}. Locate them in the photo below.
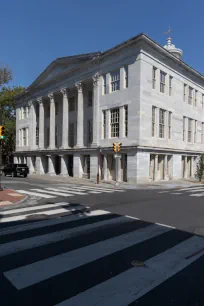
{"type": "Point", "coordinates": [112, 184]}
{"type": "Point", "coordinates": [9, 196]}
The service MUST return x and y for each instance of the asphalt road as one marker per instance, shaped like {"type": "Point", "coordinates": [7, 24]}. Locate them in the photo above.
{"type": "Point", "coordinates": [135, 247]}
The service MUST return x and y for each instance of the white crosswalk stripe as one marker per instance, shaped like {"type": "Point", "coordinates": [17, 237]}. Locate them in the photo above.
{"type": "Point", "coordinates": [193, 191]}
{"type": "Point", "coordinates": [67, 191]}
{"type": "Point", "coordinates": [94, 252]}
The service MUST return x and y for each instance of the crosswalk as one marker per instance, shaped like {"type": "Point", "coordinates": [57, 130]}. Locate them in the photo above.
{"type": "Point", "coordinates": [67, 191]}
{"type": "Point", "coordinates": [81, 257]}
{"type": "Point", "coordinates": [192, 191]}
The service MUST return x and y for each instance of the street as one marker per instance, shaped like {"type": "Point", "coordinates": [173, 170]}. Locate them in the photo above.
{"type": "Point", "coordinates": [94, 245]}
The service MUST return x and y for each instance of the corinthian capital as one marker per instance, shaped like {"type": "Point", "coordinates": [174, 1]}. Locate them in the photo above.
{"type": "Point", "coordinates": [79, 86]}
{"type": "Point", "coordinates": [30, 104]}
{"type": "Point", "coordinates": [40, 100]}
{"type": "Point", "coordinates": [64, 91]}
{"type": "Point", "coordinates": [51, 96]}
{"type": "Point", "coordinates": [95, 78]}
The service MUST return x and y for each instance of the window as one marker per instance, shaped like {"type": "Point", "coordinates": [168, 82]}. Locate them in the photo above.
{"type": "Point", "coordinates": [169, 125]}
{"type": "Point", "coordinates": [170, 85]}
{"type": "Point", "coordinates": [90, 98]}
{"type": "Point", "coordinates": [195, 100]}
{"type": "Point", "coordinates": [37, 136]}
{"type": "Point", "coordinates": [24, 137]}
{"type": "Point", "coordinates": [184, 128]}
{"type": "Point", "coordinates": [115, 80]}
{"type": "Point", "coordinates": [202, 133]}
{"type": "Point", "coordinates": [190, 95]}
{"type": "Point", "coordinates": [189, 130]}
{"type": "Point", "coordinates": [115, 122]}
{"type": "Point", "coordinates": [104, 85]}
{"type": "Point", "coordinates": [126, 76]}
{"type": "Point", "coordinates": [71, 134]}
{"type": "Point", "coordinates": [104, 125]}
{"type": "Point", "coordinates": [154, 71]}
{"type": "Point", "coordinates": [162, 81]}
{"type": "Point", "coordinates": [161, 123]}
{"type": "Point", "coordinates": [126, 120]}
{"type": "Point", "coordinates": [90, 132]}
{"type": "Point", "coordinates": [153, 120]}
{"type": "Point", "coordinates": [184, 92]}
{"type": "Point", "coordinates": [195, 131]}
{"type": "Point", "coordinates": [72, 104]}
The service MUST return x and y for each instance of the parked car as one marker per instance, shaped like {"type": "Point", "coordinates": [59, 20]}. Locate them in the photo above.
{"type": "Point", "coordinates": [16, 169]}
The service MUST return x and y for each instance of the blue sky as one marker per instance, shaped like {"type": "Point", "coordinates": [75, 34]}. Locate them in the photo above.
{"type": "Point", "coordinates": [34, 33]}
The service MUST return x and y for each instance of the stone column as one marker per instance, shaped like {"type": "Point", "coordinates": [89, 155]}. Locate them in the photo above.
{"type": "Point", "coordinates": [77, 166]}
{"type": "Point", "coordinates": [122, 122]}
{"type": "Point", "coordinates": [95, 142]}
{"type": "Point", "coordinates": [185, 167]}
{"type": "Point", "coordinates": [156, 168]}
{"type": "Point", "coordinates": [166, 174]}
{"type": "Point", "coordinates": [41, 123]}
{"type": "Point", "coordinates": [15, 160]}
{"type": "Point", "coordinates": [118, 167]}
{"type": "Point", "coordinates": [80, 116]}
{"type": "Point", "coordinates": [51, 169]}
{"type": "Point", "coordinates": [64, 171]}
{"type": "Point", "coordinates": [52, 121]}
{"type": "Point", "coordinates": [34, 124]}
{"type": "Point", "coordinates": [65, 119]}
{"type": "Point", "coordinates": [105, 167]}
{"type": "Point", "coordinates": [192, 166]}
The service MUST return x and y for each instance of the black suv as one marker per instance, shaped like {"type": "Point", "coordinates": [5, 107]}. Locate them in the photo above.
{"type": "Point", "coordinates": [16, 169]}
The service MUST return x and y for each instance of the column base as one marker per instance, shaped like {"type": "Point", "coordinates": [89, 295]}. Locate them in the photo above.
{"type": "Point", "coordinates": [51, 173]}
{"type": "Point", "coordinates": [78, 146]}
{"type": "Point", "coordinates": [64, 147]}
{"type": "Point", "coordinates": [94, 145]}
{"type": "Point", "coordinates": [64, 174]}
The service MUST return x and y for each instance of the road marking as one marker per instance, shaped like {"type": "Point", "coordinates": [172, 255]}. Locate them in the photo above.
{"type": "Point", "coordinates": [189, 188]}
{"type": "Point", "coordinates": [98, 189]}
{"type": "Point", "coordinates": [197, 195]}
{"type": "Point", "coordinates": [176, 193]}
{"type": "Point", "coordinates": [165, 225]}
{"type": "Point", "coordinates": [41, 224]}
{"type": "Point", "coordinates": [26, 209]}
{"type": "Point", "coordinates": [139, 281]}
{"type": "Point", "coordinates": [46, 212]}
{"type": "Point", "coordinates": [29, 243]}
{"type": "Point", "coordinates": [37, 272]}
{"type": "Point", "coordinates": [64, 189]}
{"type": "Point", "coordinates": [36, 194]}
{"type": "Point", "coordinates": [53, 192]}
{"type": "Point", "coordinates": [163, 191]}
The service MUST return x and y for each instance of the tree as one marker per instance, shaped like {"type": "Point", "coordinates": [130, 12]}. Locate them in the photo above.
{"type": "Point", "coordinates": [200, 168]}
{"type": "Point", "coordinates": [8, 113]}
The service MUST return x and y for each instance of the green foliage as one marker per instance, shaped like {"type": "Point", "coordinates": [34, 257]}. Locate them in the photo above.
{"type": "Point", "coordinates": [200, 168]}
{"type": "Point", "coordinates": [8, 113]}
{"type": "Point", "coordinates": [5, 75]}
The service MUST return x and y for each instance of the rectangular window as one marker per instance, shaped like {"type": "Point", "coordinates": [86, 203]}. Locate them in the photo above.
{"type": "Point", "coordinates": [71, 134]}
{"type": "Point", "coordinates": [184, 128]}
{"type": "Point", "coordinates": [90, 98]}
{"type": "Point", "coordinates": [195, 131]}
{"type": "Point", "coordinates": [37, 136]}
{"type": "Point", "coordinates": [161, 123]}
{"type": "Point", "coordinates": [104, 125]}
{"type": "Point", "coordinates": [126, 120]}
{"type": "Point", "coordinates": [104, 85]}
{"type": "Point", "coordinates": [115, 122]}
{"type": "Point", "coordinates": [154, 71]}
{"type": "Point", "coordinates": [72, 104]}
{"type": "Point", "coordinates": [169, 125]}
{"type": "Point", "coordinates": [202, 133]}
{"type": "Point", "coordinates": [24, 137]}
{"type": "Point", "coordinates": [184, 92]}
{"type": "Point", "coordinates": [162, 81]}
{"type": "Point", "coordinates": [90, 132]}
{"type": "Point", "coordinates": [170, 85]}
{"type": "Point", "coordinates": [153, 120]}
{"type": "Point", "coordinates": [195, 100]}
{"type": "Point", "coordinates": [189, 130]}
{"type": "Point", "coordinates": [190, 95]}
{"type": "Point", "coordinates": [115, 80]}
{"type": "Point", "coordinates": [126, 76]}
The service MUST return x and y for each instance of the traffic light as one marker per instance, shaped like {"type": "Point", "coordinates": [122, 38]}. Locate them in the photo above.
{"type": "Point", "coordinates": [2, 132]}
{"type": "Point", "coordinates": [114, 147]}
{"type": "Point", "coordinates": [119, 146]}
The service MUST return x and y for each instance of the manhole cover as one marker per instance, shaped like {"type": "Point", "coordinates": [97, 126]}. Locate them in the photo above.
{"type": "Point", "coordinates": [136, 263]}
{"type": "Point", "coordinates": [36, 217]}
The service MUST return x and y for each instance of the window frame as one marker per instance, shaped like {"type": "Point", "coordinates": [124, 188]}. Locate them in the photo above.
{"type": "Point", "coordinates": [104, 124]}
{"type": "Point", "coordinates": [190, 97]}
{"type": "Point", "coordinates": [153, 121]}
{"type": "Point", "coordinates": [162, 84]}
{"type": "Point", "coordinates": [190, 130]}
{"type": "Point", "coordinates": [115, 80]}
{"type": "Point", "coordinates": [126, 120]}
{"type": "Point", "coordinates": [162, 123]}
{"type": "Point", "coordinates": [169, 125]}
{"type": "Point", "coordinates": [115, 122]}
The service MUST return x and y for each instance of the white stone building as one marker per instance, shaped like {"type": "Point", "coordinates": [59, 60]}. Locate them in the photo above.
{"type": "Point", "coordinates": [138, 93]}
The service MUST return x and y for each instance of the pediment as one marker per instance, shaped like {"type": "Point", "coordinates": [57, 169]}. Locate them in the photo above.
{"type": "Point", "coordinates": [56, 71]}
